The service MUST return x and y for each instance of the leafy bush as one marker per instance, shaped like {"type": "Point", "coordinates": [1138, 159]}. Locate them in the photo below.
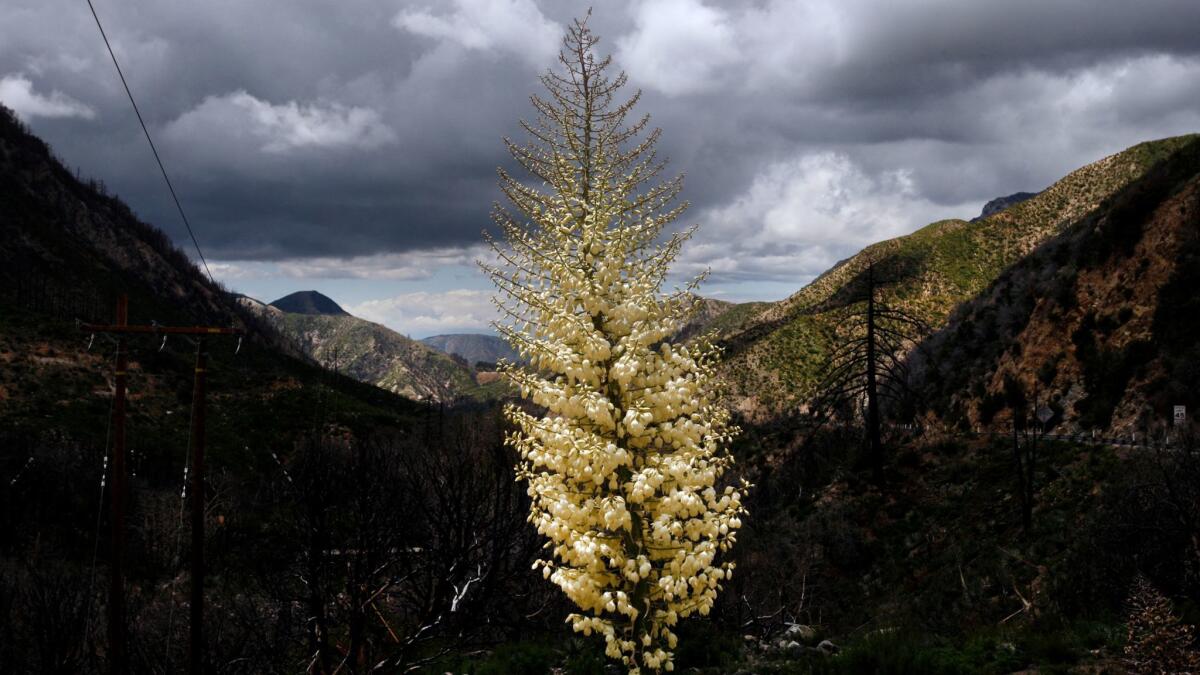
{"type": "Point", "coordinates": [704, 644]}
{"type": "Point", "coordinates": [517, 658]}
{"type": "Point", "coordinates": [895, 654]}
{"type": "Point", "coordinates": [1157, 640]}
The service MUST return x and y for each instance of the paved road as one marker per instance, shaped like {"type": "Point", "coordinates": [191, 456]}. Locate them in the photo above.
{"type": "Point", "coordinates": [1089, 439]}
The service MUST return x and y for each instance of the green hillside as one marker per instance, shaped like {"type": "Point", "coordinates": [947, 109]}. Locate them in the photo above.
{"type": "Point", "coordinates": [1100, 321]}
{"type": "Point", "coordinates": [474, 348]}
{"type": "Point", "coordinates": [777, 357]}
{"type": "Point", "coordinates": [374, 354]}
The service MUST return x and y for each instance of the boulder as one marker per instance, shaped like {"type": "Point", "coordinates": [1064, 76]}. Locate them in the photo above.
{"type": "Point", "coordinates": [800, 632]}
{"type": "Point", "coordinates": [827, 648]}
{"type": "Point", "coordinates": [793, 649]}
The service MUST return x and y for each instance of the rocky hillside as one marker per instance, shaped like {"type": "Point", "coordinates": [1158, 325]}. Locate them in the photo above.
{"type": "Point", "coordinates": [776, 357]}
{"type": "Point", "coordinates": [473, 348]}
{"type": "Point", "coordinates": [717, 316]}
{"type": "Point", "coordinates": [68, 247]}
{"type": "Point", "coordinates": [365, 351]}
{"type": "Point", "coordinates": [1100, 321]}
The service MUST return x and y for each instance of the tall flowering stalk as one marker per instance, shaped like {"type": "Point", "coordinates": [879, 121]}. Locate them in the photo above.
{"type": "Point", "coordinates": [623, 466]}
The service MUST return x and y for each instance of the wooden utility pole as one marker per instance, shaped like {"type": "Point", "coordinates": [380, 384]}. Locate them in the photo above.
{"type": "Point", "coordinates": [196, 643]}
{"type": "Point", "coordinates": [118, 654]}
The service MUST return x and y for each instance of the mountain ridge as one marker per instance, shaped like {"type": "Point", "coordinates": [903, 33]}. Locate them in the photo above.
{"type": "Point", "coordinates": [999, 204]}
{"type": "Point", "coordinates": [75, 238]}
{"type": "Point", "coordinates": [1099, 322]}
{"type": "Point", "coordinates": [366, 351]}
{"type": "Point", "coordinates": [776, 357]}
{"type": "Point", "coordinates": [69, 249]}
{"type": "Point", "coordinates": [473, 347]}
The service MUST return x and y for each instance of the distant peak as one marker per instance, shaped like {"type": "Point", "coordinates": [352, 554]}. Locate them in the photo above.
{"type": "Point", "coordinates": [1000, 203]}
{"type": "Point", "coordinates": [309, 302]}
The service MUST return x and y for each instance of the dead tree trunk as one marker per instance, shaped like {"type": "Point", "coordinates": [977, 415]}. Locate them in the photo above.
{"type": "Point", "coordinates": [874, 440]}
{"type": "Point", "coordinates": [869, 364]}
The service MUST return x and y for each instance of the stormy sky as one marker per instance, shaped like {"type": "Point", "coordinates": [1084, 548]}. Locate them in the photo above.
{"type": "Point", "coordinates": [350, 146]}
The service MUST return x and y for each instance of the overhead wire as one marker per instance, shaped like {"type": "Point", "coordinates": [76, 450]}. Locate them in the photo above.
{"type": "Point", "coordinates": [204, 261]}
{"type": "Point", "coordinates": [87, 622]}
{"type": "Point", "coordinates": [153, 149]}
{"type": "Point", "coordinates": [175, 551]}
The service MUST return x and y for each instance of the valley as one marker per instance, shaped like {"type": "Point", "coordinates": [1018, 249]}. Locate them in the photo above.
{"type": "Point", "coordinates": [969, 446]}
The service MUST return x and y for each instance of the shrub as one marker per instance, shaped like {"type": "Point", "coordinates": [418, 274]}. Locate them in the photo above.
{"type": "Point", "coordinates": [1157, 642]}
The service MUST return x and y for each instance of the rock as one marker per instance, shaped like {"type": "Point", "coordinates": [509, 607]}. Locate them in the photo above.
{"type": "Point", "coordinates": [793, 649]}
{"type": "Point", "coordinates": [797, 631]}
{"type": "Point", "coordinates": [749, 638]}
{"type": "Point", "coordinates": [827, 648]}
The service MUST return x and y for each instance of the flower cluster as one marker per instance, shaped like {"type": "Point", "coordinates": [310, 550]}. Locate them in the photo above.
{"type": "Point", "coordinates": [625, 458]}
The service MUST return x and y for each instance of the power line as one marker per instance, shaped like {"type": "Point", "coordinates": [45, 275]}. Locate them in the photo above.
{"type": "Point", "coordinates": [87, 622]}
{"type": "Point", "coordinates": [149, 140]}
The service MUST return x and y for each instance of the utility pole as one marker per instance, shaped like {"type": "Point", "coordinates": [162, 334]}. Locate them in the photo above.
{"type": "Point", "coordinates": [118, 653]}
{"type": "Point", "coordinates": [196, 643]}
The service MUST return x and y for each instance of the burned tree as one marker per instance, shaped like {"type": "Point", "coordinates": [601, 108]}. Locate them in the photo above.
{"type": "Point", "coordinates": [405, 545]}
{"type": "Point", "coordinates": [1025, 449]}
{"type": "Point", "coordinates": [1029, 421]}
{"type": "Point", "coordinates": [868, 368]}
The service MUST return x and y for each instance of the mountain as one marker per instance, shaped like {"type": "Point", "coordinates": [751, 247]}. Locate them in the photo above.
{"type": "Point", "coordinates": [309, 302]}
{"type": "Point", "coordinates": [473, 348]}
{"type": "Point", "coordinates": [776, 357]}
{"type": "Point", "coordinates": [365, 351]}
{"type": "Point", "coordinates": [291, 451]}
{"type": "Point", "coordinates": [1001, 203]}
{"type": "Point", "coordinates": [1099, 322]}
{"type": "Point", "coordinates": [67, 249]}
{"type": "Point", "coordinates": [929, 570]}
{"type": "Point", "coordinates": [68, 246]}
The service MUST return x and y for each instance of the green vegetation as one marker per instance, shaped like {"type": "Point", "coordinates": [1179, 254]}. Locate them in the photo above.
{"type": "Point", "coordinates": [372, 353]}
{"type": "Point", "coordinates": [377, 355]}
{"type": "Point", "coordinates": [734, 316]}
{"type": "Point", "coordinates": [1095, 318]}
{"type": "Point", "coordinates": [777, 353]}
{"type": "Point", "coordinates": [996, 651]}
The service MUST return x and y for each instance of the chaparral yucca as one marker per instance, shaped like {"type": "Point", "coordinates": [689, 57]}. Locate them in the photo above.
{"type": "Point", "coordinates": [625, 465]}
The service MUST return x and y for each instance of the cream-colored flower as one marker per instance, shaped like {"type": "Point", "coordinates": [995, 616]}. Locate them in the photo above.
{"type": "Point", "coordinates": [622, 465]}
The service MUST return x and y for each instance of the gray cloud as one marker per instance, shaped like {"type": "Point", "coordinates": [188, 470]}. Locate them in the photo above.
{"type": "Point", "coordinates": [17, 92]}
{"type": "Point", "coordinates": [329, 131]}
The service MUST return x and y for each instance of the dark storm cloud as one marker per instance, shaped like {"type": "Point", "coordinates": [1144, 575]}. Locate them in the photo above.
{"type": "Point", "coordinates": [902, 51]}
{"type": "Point", "coordinates": [317, 129]}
